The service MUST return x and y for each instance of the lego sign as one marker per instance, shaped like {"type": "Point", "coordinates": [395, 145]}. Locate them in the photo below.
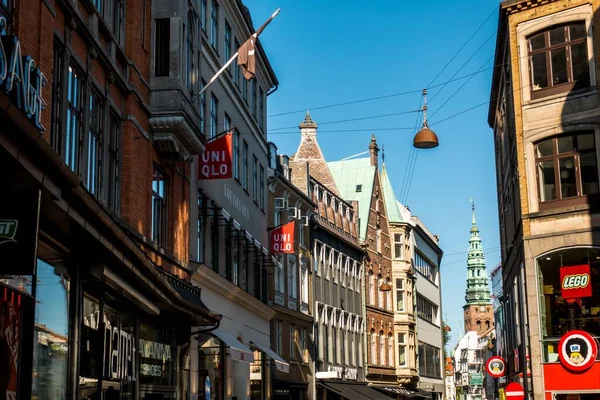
{"type": "Point", "coordinates": [575, 282]}
{"type": "Point", "coordinates": [216, 160]}
{"type": "Point", "coordinates": [282, 238]}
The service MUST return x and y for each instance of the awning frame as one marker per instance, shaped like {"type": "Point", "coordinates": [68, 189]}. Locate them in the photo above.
{"type": "Point", "coordinates": [280, 363]}
{"type": "Point", "coordinates": [238, 350]}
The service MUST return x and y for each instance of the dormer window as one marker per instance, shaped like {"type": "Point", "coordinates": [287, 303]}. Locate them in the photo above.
{"type": "Point", "coordinates": [358, 188]}
{"type": "Point", "coordinates": [558, 60]}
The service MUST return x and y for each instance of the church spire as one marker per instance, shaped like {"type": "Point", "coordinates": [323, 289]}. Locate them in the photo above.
{"type": "Point", "coordinates": [478, 291]}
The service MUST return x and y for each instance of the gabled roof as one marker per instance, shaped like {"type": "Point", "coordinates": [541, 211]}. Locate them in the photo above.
{"type": "Point", "coordinates": [392, 205]}
{"type": "Point", "coordinates": [348, 175]}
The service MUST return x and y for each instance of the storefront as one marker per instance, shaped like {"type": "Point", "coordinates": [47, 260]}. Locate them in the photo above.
{"type": "Point", "coordinates": [569, 301]}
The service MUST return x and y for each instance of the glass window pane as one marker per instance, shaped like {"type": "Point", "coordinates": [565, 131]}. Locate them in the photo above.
{"type": "Point", "coordinates": [579, 61]}
{"type": "Point", "coordinates": [577, 31]}
{"type": "Point", "coordinates": [545, 148]}
{"type": "Point", "coordinates": [540, 73]}
{"type": "Point", "coordinates": [547, 180]}
{"type": "Point", "coordinates": [568, 179]}
{"type": "Point", "coordinates": [585, 142]}
{"type": "Point", "coordinates": [559, 66]}
{"type": "Point", "coordinates": [589, 173]}
{"type": "Point", "coordinates": [557, 35]}
{"type": "Point", "coordinates": [537, 42]}
{"type": "Point", "coordinates": [565, 144]}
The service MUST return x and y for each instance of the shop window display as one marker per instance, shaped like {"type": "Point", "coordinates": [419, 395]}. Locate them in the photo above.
{"type": "Point", "coordinates": [560, 315]}
{"type": "Point", "coordinates": [210, 367]}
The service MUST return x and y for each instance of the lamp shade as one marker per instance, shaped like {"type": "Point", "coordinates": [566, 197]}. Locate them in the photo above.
{"type": "Point", "coordinates": [385, 287]}
{"type": "Point", "coordinates": [425, 139]}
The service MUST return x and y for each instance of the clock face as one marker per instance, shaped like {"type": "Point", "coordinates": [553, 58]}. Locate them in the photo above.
{"type": "Point", "coordinates": [482, 308]}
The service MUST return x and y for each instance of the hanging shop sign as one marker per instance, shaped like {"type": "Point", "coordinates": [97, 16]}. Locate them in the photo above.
{"type": "Point", "coordinates": [575, 282]}
{"type": "Point", "coordinates": [19, 213]}
{"type": "Point", "coordinates": [495, 366]}
{"type": "Point", "coordinates": [282, 238]}
{"type": "Point", "coordinates": [577, 351]}
{"type": "Point", "coordinates": [10, 333]}
{"type": "Point", "coordinates": [216, 160]}
{"type": "Point", "coordinates": [20, 78]}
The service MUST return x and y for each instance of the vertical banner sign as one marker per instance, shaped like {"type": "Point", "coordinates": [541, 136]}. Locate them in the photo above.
{"type": "Point", "coordinates": [575, 282]}
{"type": "Point", "coordinates": [19, 212]}
{"type": "Point", "coordinates": [10, 333]}
{"type": "Point", "coordinates": [216, 160]}
{"type": "Point", "coordinates": [282, 238]}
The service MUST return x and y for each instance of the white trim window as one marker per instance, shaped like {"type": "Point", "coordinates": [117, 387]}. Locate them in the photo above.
{"type": "Point", "coordinates": [278, 337]}
{"type": "Point", "coordinates": [382, 348]}
{"type": "Point", "coordinates": [279, 274]}
{"type": "Point", "coordinates": [390, 343]}
{"type": "Point", "coordinates": [398, 246]}
{"type": "Point", "coordinates": [304, 282]}
{"type": "Point", "coordinates": [292, 268]}
{"type": "Point", "coordinates": [402, 356]}
{"type": "Point", "coordinates": [400, 305]}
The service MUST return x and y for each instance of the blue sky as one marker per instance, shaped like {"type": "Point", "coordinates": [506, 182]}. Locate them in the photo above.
{"type": "Point", "coordinates": [324, 53]}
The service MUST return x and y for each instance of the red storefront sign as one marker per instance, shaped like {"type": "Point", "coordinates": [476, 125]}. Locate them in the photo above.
{"type": "Point", "coordinates": [575, 281]}
{"type": "Point", "coordinates": [495, 366]}
{"type": "Point", "coordinates": [216, 160]}
{"type": "Point", "coordinates": [282, 238]}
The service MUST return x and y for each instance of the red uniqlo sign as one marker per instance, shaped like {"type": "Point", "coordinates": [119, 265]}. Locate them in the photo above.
{"type": "Point", "coordinates": [514, 391]}
{"type": "Point", "coordinates": [216, 160]}
{"type": "Point", "coordinates": [575, 282]}
{"type": "Point", "coordinates": [282, 238]}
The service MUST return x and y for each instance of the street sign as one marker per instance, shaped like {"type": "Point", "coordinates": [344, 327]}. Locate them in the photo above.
{"type": "Point", "coordinates": [514, 391]}
{"type": "Point", "coordinates": [495, 367]}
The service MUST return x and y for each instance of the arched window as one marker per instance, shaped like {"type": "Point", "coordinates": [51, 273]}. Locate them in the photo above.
{"type": "Point", "coordinates": [390, 343]}
{"type": "Point", "coordinates": [487, 325]}
{"type": "Point", "coordinates": [558, 59]}
{"type": "Point", "coordinates": [373, 347]}
{"type": "Point", "coordinates": [478, 326]}
{"type": "Point", "coordinates": [389, 297]}
{"type": "Point", "coordinates": [371, 288]}
{"type": "Point", "coordinates": [379, 292]}
{"type": "Point", "coordinates": [382, 348]}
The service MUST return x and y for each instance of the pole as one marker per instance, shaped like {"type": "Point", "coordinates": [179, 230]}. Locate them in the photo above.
{"type": "Point", "coordinates": [228, 63]}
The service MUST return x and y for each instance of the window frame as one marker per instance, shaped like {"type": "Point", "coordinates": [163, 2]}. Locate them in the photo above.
{"type": "Point", "coordinates": [236, 155]}
{"type": "Point", "coordinates": [227, 45]}
{"type": "Point", "coordinates": [547, 50]}
{"type": "Point", "coordinates": [245, 165]}
{"type": "Point", "coordinates": [402, 345]}
{"type": "Point", "coordinates": [214, 116]}
{"type": "Point", "coordinates": [159, 237]}
{"type": "Point", "coordinates": [214, 25]}
{"type": "Point", "coordinates": [555, 158]}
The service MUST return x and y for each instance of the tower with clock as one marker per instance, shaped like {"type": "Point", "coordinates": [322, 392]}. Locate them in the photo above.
{"type": "Point", "coordinates": [478, 310]}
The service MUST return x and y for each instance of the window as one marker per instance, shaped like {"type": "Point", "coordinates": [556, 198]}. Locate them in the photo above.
{"type": "Point", "coordinates": [245, 89]}
{"type": "Point", "coordinates": [402, 349]}
{"type": "Point", "coordinates": [236, 154]}
{"type": "Point", "coordinates": [378, 239]}
{"type": "Point", "coordinates": [371, 288]}
{"type": "Point", "coordinates": [279, 275]}
{"type": "Point", "coordinates": [254, 178]}
{"type": "Point", "coordinates": [292, 277]}
{"type": "Point", "coordinates": [382, 348]}
{"type": "Point", "coordinates": [567, 167]}
{"type": "Point", "coordinates": [262, 193]}
{"type": "Point", "coordinates": [214, 116]}
{"type": "Point", "coordinates": [253, 98]}
{"type": "Point", "coordinates": [301, 233]}
{"type": "Point", "coordinates": [226, 123]}
{"type": "Point", "coordinates": [379, 292]}
{"type": "Point", "coordinates": [227, 44]}
{"type": "Point", "coordinates": [236, 70]}
{"type": "Point", "coordinates": [390, 343]}
{"type": "Point", "coordinates": [74, 119]}
{"type": "Point", "coordinates": [113, 180]}
{"type": "Point", "coordinates": [398, 245]}
{"type": "Point", "coordinates": [200, 241]}
{"type": "Point", "coordinates": [558, 60]}
{"type": "Point", "coordinates": [304, 282]}
{"type": "Point", "coordinates": [203, 14]}
{"type": "Point", "coordinates": [278, 337]}
{"type": "Point", "coordinates": [388, 297]}
{"type": "Point", "coordinates": [427, 310]}
{"type": "Point", "coordinates": [303, 346]}
{"type": "Point", "coordinates": [162, 47]}
{"type": "Point", "coordinates": [159, 208]}
{"type": "Point", "coordinates": [94, 144]}
{"type": "Point", "coordinates": [214, 25]}
{"type": "Point", "coordinates": [425, 268]}
{"type": "Point", "coordinates": [292, 342]}
{"type": "Point", "coordinates": [56, 132]}
{"type": "Point", "coordinates": [202, 107]}
{"type": "Point", "coordinates": [261, 109]}
{"type": "Point", "coordinates": [400, 295]}
{"type": "Point", "coordinates": [373, 348]}
{"type": "Point", "coordinates": [429, 361]}
{"type": "Point", "coordinates": [112, 13]}
{"type": "Point", "coordinates": [245, 166]}
{"type": "Point", "coordinates": [190, 76]}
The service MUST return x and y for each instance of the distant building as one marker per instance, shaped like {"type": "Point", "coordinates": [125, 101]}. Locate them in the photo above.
{"type": "Point", "coordinates": [470, 374]}
{"type": "Point", "coordinates": [449, 379]}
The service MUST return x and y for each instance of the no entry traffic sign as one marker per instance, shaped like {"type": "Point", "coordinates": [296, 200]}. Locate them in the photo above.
{"type": "Point", "coordinates": [514, 391]}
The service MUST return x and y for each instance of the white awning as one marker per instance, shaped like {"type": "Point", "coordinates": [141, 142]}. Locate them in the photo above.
{"type": "Point", "coordinates": [239, 351]}
{"type": "Point", "coordinates": [280, 363]}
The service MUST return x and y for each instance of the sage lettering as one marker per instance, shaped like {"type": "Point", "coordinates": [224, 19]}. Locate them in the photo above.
{"type": "Point", "coordinates": [21, 79]}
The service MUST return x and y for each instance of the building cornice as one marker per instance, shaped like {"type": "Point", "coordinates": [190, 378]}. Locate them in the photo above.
{"type": "Point", "coordinates": [214, 281]}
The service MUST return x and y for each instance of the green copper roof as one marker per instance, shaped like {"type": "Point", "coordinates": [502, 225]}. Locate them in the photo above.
{"type": "Point", "coordinates": [478, 291]}
{"type": "Point", "coordinates": [348, 176]}
{"type": "Point", "coordinates": [392, 205]}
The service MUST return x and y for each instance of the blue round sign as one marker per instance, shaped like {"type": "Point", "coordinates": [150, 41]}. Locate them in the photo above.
{"type": "Point", "coordinates": [207, 388]}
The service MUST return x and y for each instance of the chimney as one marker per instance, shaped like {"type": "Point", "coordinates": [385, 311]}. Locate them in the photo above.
{"type": "Point", "coordinates": [373, 152]}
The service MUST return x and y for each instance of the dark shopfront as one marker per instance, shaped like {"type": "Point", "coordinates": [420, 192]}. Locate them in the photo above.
{"type": "Point", "coordinates": [93, 317]}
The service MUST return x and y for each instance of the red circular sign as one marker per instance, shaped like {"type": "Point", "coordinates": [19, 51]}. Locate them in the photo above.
{"type": "Point", "coordinates": [577, 351]}
{"type": "Point", "coordinates": [514, 391]}
{"type": "Point", "coordinates": [495, 366]}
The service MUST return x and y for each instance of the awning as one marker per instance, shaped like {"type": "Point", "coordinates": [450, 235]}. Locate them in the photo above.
{"type": "Point", "coordinates": [280, 363]}
{"type": "Point", "coordinates": [407, 392]}
{"type": "Point", "coordinates": [239, 351]}
{"type": "Point", "coordinates": [351, 391]}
